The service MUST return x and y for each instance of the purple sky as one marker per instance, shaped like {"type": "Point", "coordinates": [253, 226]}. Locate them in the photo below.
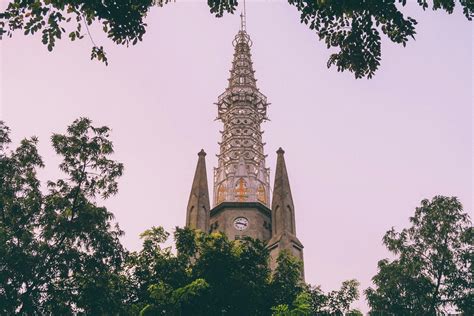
{"type": "Point", "coordinates": [361, 154]}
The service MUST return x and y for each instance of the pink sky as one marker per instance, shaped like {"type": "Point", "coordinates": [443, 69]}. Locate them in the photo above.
{"type": "Point", "coordinates": [361, 154]}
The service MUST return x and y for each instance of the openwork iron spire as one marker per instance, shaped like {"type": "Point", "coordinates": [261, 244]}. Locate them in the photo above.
{"type": "Point", "coordinates": [241, 175]}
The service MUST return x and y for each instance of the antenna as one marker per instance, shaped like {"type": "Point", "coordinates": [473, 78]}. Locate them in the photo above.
{"type": "Point", "coordinates": [243, 20]}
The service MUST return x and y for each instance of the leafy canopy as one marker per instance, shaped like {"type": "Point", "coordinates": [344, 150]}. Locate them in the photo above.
{"type": "Point", "coordinates": [209, 275]}
{"type": "Point", "coordinates": [59, 252]}
{"type": "Point", "coordinates": [353, 28]}
{"type": "Point", "coordinates": [432, 271]}
{"type": "Point", "coordinates": [212, 275]}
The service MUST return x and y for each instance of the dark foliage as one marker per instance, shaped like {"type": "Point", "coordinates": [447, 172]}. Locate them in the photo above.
{"type": "Point", "coordinates": [352, 27]}
{"type": "Point", "coordinates": [59, 253]}
{"type": "Point", "coordinates": [210, 275]}
{"type": "Point", "coordinates": [433, 269]}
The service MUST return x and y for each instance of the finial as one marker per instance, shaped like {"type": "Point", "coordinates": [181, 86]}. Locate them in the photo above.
{"type": "Point", "coordinates": [243, 20]}
{"type": "Point", "coordinates": [202, 153]}
{"type": "Point", "coordinates": [280, 151]}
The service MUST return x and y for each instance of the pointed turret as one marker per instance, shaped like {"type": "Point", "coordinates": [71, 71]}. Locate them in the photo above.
{"type": "Point", "coordinates": [282, 206]}
{"type": "Point", "coordinates": [197, 215]}
{"type": "Point", "coordinates": [283, 215]}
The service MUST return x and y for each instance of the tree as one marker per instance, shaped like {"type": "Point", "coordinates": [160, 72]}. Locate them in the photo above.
{"type": "Point", "coordinates": [209, 275]}
{"type": "Point", "coordinates": [339, 302]}
{"type": "Point", "coordinates": [212, 275]}
{"type": "Point", "coordinates": [286, 286]}
{"type": "Point", "coordinates": [313, 301]}
{"type": "Point", "coordinates": [433, 267]}
{"type": "Point", "coordinates": [301, 304]}
{"type": "Point", "coordinates": [59, 253]}
{"type": "Point", "coordinates": [352, 27]}
{"type": "Point", "coordinates": [335, 302]}
{"type": "Point", "coordinates": [20, 204]}
{"type": "Point", "coordinates": [154, 272]}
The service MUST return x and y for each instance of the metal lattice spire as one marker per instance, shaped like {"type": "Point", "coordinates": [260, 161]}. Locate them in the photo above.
{"type": "Point", "coordinates": [241, 175]}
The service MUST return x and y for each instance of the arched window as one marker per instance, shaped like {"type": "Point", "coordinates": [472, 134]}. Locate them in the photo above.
{"type": "Point", "coordinates": [191, 218]}
{"type": "Point", "coordinates": [290, 219]}
{"type": "Point", "coordinates": [277, 219]}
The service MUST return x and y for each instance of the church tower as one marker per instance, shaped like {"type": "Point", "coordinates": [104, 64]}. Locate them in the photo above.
{"type": "Point", "coordinates": [241, 203]}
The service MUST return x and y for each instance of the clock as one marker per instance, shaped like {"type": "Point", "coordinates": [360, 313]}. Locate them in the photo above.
{"type": "Point", "coordinates": [241, 223]}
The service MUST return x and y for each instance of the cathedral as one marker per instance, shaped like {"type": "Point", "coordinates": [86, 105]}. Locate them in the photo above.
{"type": "Point", "coordinates": [243, 203]}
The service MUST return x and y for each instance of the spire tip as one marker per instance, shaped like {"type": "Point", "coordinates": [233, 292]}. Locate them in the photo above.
{"type": "Point", "coordinates": [243, 20]}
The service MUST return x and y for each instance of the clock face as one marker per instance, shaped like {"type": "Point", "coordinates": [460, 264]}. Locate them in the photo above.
{"type": "Point", "coordinates": [241, 223]}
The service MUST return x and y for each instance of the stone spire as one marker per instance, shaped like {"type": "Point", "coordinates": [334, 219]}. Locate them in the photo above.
{"type": "Point", "coordinates": [283, 216]}
{"type": "Point", "coordinates": [197, 215]}
{"type": "Point", "coordinates": [282, 205]}
{"type": "Point", "coordinates": [241, 175]}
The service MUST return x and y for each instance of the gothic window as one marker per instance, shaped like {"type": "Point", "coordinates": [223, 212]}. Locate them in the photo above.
{"type": "Point", "coordinates": [241, 190]}
{"type": "Point", "coordinates": [277, 218]}
{"type": "Point", "coordinates": [290, 219]}
{"type": "Point", "coordinates": [241, 80]}
{"type": "Point", "coordinates": [191, 218]}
